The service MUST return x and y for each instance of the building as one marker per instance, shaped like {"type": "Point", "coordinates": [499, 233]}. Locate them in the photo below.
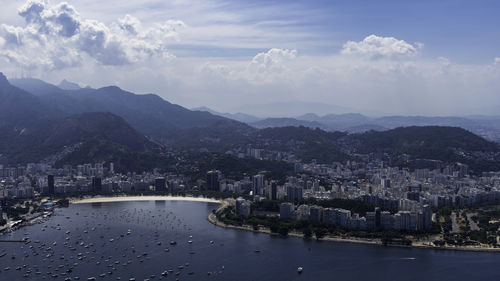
{"type": "Point", "coordinates": [404, 221]}
{"type": "Point", "coordinates": [243, 207]}
{"type": "Point", "coordinates": [386, 220]}
{"type": "Point", "coordinates": [294, 193]}
{"type": "Point", "coordinates": [160, 184]}
{"type": "Point", "coordinates": [303, 212]}
{"type": "Point", "coordinates": [258, 184]}
{"type": "Point", "coordinates": [274, 190]}
{"type": "Point", "coordinates": [213, 178]}
{"type": "Point", "coordinates": [287, 210]}
{"type": "Point", "coordinates": [377, 218]}
{"type": "Point", "coordinates": [343, 217]}
{"type": "Point", "coordinates": [316, 214]}
{"type": "Point", "coordinates": [50, 185]}
{"type": "Point", "coordinates": [96, 184]}
{"type": "Point", "coordinates": [427, 217]}
{"type": "Point", "coordinates": [329, 216]}
{"type": "Point", "coordinates": [370, 220]}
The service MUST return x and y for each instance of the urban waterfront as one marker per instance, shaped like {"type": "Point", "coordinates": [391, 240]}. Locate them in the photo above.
{"type": "Point", "coordinates": [127, 240]}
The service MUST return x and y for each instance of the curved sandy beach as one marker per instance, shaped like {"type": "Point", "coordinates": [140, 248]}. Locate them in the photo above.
{"type": "Point", "coordinates": [142, 198]}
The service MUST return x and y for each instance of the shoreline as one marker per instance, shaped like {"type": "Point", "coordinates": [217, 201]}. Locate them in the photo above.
{"type": "Point", "coordinates": [212, 218]}
{"type": "Point", "coordinates": [109, 199]}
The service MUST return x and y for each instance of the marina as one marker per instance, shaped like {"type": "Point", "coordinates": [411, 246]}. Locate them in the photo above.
{"type": "Point", "coordinates": [172, 240]}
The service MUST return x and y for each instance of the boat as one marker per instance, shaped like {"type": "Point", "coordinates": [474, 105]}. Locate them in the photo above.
{"type": "Point", "coordinates": [299, 269]}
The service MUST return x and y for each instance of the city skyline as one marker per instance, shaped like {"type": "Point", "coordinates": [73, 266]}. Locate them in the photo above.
{"type": "Point", "coordinates": [394, 58]}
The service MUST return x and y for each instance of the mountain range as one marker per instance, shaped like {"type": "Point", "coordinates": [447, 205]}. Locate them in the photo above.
{"type": "Point", "coordinates": [149, 114]}
{"type": "Point", "coordinates": [38, 119]}
{"type": "Point", "coordinates": [485, 126]}
{"type": "Point", "coordinates": [70, 124]}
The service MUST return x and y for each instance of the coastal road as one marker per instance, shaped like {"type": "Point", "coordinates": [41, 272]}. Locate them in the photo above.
{"type": "Point", "coordinates": [454, 225]}
{"type": "Point", "coordinates": [472, 223]}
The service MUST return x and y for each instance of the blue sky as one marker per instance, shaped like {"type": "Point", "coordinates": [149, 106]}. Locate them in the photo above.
{"type": "Point", "coordinates": [393, 56]}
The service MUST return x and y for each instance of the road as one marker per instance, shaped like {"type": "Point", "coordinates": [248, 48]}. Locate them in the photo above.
{"type": "Point", "coordinates": [454, 225]}
{"type": "Point", "coordinates": [472, 223]}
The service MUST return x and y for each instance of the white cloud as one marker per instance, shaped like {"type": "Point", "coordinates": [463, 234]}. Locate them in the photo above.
{"type": "Point", "coordinates": [129, 43]}
{"type": "Point", "coordinates": [56, 36]}
{"type": "Point", "coordinates": [375, 47]}
{"type": "Point", "coordinates": [213, 70]}
{"type": "Point", "coordinates": [271, 62]}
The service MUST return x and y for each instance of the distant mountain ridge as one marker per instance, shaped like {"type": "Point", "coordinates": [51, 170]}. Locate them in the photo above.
{"type": "Point", "coordinates": [66, 85]}
{"type": "Point", "coordinates": [241, 117]}
{"type": "Point", "coordinates": [31, 130]}
{"type": "Point", "coordinates": [485, 126]}
{"type": "Point", "coordinates": [115, 125]}
{"type": "Point", "coordinates": [97, 125]}
{"type": "Point", "coordinates": [148, 113]}
{"type": "Point", "coordinates": [285, 122]}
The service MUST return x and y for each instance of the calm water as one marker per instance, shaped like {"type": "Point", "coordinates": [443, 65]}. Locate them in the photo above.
{"type": "Point", "coordinates": [92, 239]}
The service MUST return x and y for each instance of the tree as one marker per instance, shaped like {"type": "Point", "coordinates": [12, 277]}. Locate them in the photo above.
{"type": "Point", "coordinates": [274, 228]}
{"type": "Point", "coordinates": [320, 232]}
{"type": "Point", "coordinates": [283, 230]}
{"type": "Point", "coordinates": [307, 232]}
{"type": "Point", "coordinates": [438, 243]}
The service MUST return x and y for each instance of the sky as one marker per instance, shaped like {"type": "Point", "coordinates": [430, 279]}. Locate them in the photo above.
{"type": "Point", "coordinates": [383, 57]}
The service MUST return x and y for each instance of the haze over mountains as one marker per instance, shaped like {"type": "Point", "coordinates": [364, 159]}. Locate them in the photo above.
{"type": "Point", "coordinates": [70, 124]}
{"type": "Point", "coordinates": [485, 126]}
{"type": "Point", "coordinates": [148, 113]}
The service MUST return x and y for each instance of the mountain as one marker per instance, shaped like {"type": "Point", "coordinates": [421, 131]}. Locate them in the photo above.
{"type": "Point", "coordinates": [124, 159]}
{"type": "Point", "coordinates": [66, 85]}
{"type": "Point", "coordinates": [404, 121]}
{"type": "Point", "coordinates": [447, 144]}
{"type": "Point", "coordinates": [338, 122]}
{"type": "Point", "coordinates": [485, 126]}
{"type": "Point", "coordinates": [365, 128]}
{"type": "Point", "coordinates": [36, 87]}
{"type": "Point", "coordinates": [241, 117]}
{"type": "Point", "coordinates": [18, 106]}
{"type": "Point", "coordinates": [148, 113]}
{"type": "Point", "coordinates": [49, 138]}
{"type": "Point", "coordinates": [285, 122]}
{"type": "Point", "coordinates": [306, 143]}
{"type": "Point", "coordinates": [407, 139]}
{"type": "Point", "coordinates": [97, 125]}
{"type": "Point", "coordinates": [291, 109]}
{"type": "Point", "coordinates": [31, 130]}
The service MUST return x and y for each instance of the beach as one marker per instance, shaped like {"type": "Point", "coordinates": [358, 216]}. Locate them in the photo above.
{"type": "Point", "coordinates": [212, 218]}
{"type": "Point", "coordinates": [224, 203]}
{"type": "Point", "coordinates": [142, 198]}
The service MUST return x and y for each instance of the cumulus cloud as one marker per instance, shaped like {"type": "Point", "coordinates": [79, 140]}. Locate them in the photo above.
{"type": "Point", "coordinates": [56, 36]}
{"type": "Point", "coordinates": [497, 60]}
{"type": "Point", "coordinates": [213, 70]}
{"type": "Point", "coordinates": [375, 47]}
{"type": "Point", "coordinates": [271, 62]}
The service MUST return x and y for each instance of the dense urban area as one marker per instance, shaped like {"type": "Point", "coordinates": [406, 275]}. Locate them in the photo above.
{"type": "Point", "coordinates": [367, 198]}
{"type": "Point", "coordinates": [395, 180]}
